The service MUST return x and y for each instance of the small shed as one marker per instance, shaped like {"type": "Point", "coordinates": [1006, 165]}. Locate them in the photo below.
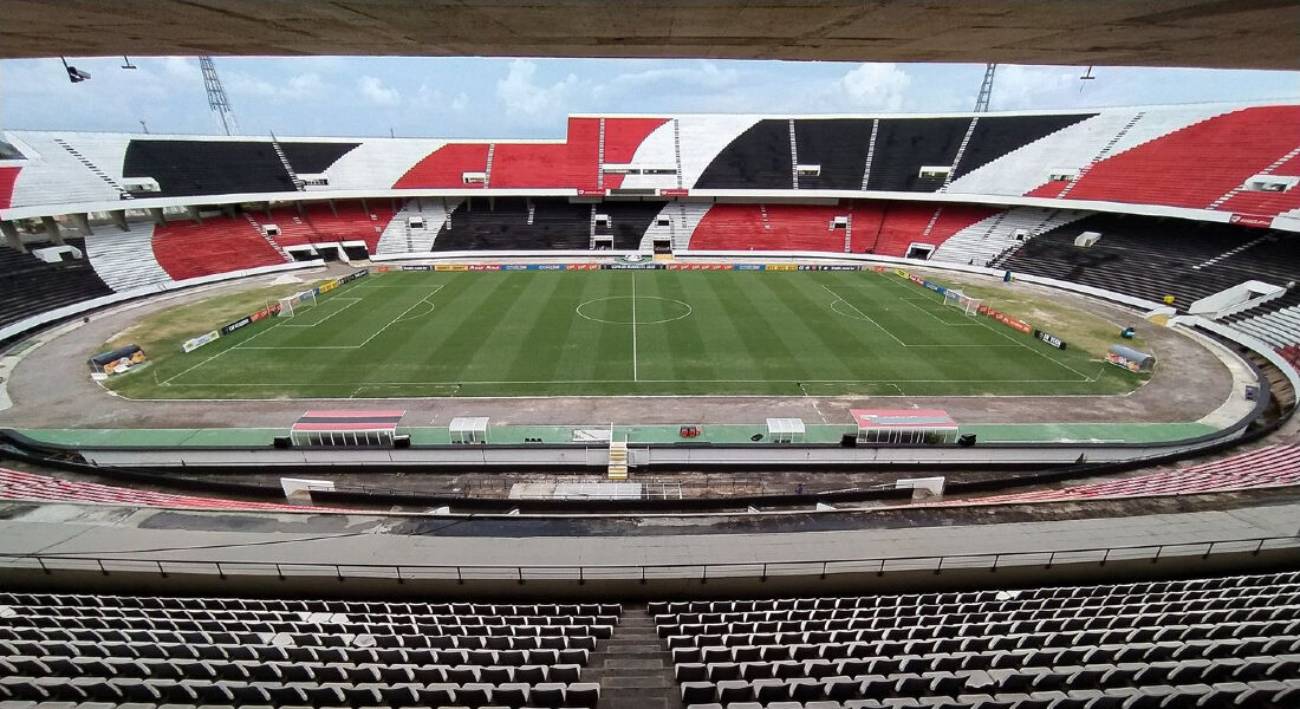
{"type": "Point", "coordinates": [905, 426]}
{"type": "Point", "coordinates": [372, 428]}
{"type": "Point", "coordinates": [1130, 359]}
{"type": "Point", "coordinates": [786, 430]}
{"type": "Point", "coordinates": [468, 429]}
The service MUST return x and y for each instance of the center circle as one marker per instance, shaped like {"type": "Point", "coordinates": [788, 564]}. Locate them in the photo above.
{"type": "Point", "coordinates": [626, 309]}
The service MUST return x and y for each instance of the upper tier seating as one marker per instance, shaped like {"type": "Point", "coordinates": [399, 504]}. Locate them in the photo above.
{"type": "Point", "coordinates": [1213, 643]}
{"type": "Point", "coordinates": [759, 158]}
{"type": "Point", "coordinates": [1151, 258]}
{"type": "Point", "coordinates": [904, 145]}
{"type": "Point", "coordinates": [1197, 164]}
{"type": "Point", "coordinates": [30, 286]}
{"type": "Point", "coordinates": [185, 168]}
{"type": "Point", "coordinates": [303, 653]}
{"type": "Point", "coordinates": [220, 244]}
{"type": "Point", "coordinates": [542, 223]}
{"type": "Point", "coordinates": [982, 242]}
{"type": "Point", "coordinates": [15, 485]}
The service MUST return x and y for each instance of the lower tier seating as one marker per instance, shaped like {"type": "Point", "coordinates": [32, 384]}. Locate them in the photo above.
{"type": "Point", "coordinates": [1211, 642]}
{"type": "Point", "coordinates": [506, 223]}
{"type": "Point", "coordinates": [30, 286]}
{"type": "Point", "coordinates": [1151, 258]}
{"type": "Point", "coordinates": [30, 487]}
{"type": "Point", "coordinates": [305, 653]}
{"type": "Point", "coordinates": [187, 249]}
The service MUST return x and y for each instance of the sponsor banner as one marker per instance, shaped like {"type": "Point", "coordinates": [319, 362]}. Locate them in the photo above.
{"type": "Point", "coordinates": [354, 276]}
{"type": "Point", "coordinates": [747, 267]}
{"type": "Point", "coordinates": [1257, 221]}
{"type": "Point", "coordinates": [266, 312]}
{"type": "Point", "coordinates": [1050, 339]}
{"type": "Point", "coordinates": [934, 287]}
{"type": "Point", "coordinates": [916, 279]}
{"type": "Point", "coordinates": [901, 273]}
{"type": "Point", "coordinates": [416, 267]}
{"type": "Point", "coordinates": [584, 267]}
{"type": "Point", "coordinates": [549, 267]}
{"type": "Point", "coordinates": [483, 267]}
{"type": "Point", "coordinates": [326, 287]}
{"type": "Point", "coordinates": [1013, 323]}
{"type": "Point", "coordinates": [635, 266]}
{"type": "Point", "coordinates": [674, 192]}
{"type": "Point", "coordinates": [196, 342]}
{"type": "Point", "coordinates": [231, 327]}
{"type": "Point", "coordinates": [383, 269]}
{"type": "Point", "coordinates": [514, 267]}
{"type": "Point", "coordinates": [444, 267]}
{"type": "Point", "coordinates": [879, 269]}
{"type": "Point", "coordinates": [305, 296]}
{"type": "Point", "coordinates": [841, 267]}
{"type": "Point", "coordinates": [781, 267]}
{"type": "Point", "coordinates": [590, 192]}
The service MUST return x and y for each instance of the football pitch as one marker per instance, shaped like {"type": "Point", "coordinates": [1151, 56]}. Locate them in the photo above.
{"type": "Point", "coordinates": [550, 333]}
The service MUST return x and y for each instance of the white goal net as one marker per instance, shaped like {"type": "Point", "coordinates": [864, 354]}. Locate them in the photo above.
{"type": "Point", "coordinates": [957, 299]}
{"type": "Point", "coordinates": [289, 304]}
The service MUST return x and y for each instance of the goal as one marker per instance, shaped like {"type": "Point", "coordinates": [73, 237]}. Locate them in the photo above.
{"type": "Point", "coordinates": [297, 300]}
{"type": "Point", "coordinates": [957, 299]}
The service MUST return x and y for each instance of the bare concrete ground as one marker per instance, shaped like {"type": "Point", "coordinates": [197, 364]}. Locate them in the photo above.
{"type": "Point", "coordinates": [51, 387]}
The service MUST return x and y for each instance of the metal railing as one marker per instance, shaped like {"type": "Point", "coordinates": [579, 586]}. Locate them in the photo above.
{"type": "Point", "coordinates": [52, 563]}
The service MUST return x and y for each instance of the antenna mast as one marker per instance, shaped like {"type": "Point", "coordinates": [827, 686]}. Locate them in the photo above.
{"type": "Point", "coordinates": [986, 89]}
{"type": "Point", "coordinates": [217, 100]}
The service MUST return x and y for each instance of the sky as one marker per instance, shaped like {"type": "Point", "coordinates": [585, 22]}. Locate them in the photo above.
{"type": "Point", "coordinates": [529, 98]}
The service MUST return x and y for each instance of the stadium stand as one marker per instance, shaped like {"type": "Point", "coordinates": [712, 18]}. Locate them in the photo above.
{"type": "Point", "coordinates": [1152, 258]}
{"type": "Point", "coordinates": [904, 145]}
{"type": "Point", "coordinates": [218, 245]}
{"type": "Point", "coordinates": [984, 241]}
{"type": "Point", "coordinates": [30, 487]}
{"type": "Point", "coordinates": [125, 260]}
{"type": "Point", "coordinates": [53, 174]}
{"type": "Point", "coordinates": [8, 176]}
{"type": "Point", "coordinates": [311, 653]}
{"type": "Point", "coordinates": [996, 136]}
{"type": "Point", "coordinates": [30, 286]}
{"type": "Point", "coordinates": [1209, 642]}
{"type": "Point", "coordinates": [542, 223]}
{"type": "Point", "coordinates": [446, 167]}
{"type": "Point", "coordinates": [838, 146]}
{"type": "Point", "coordinates": [1272, 466]}
{"type": "Point", "coordinates": [759, 158]}
{"type": "Point", "coordinates": [399, 237]}
{"type": "Point", "coordinates": [1195, 165]}
{"type": "Point", "coordinates": [315, 158]}
{"type": "Point", "coordinates": [1278, 326]}
{"type": "Point", "coordinates": [187, 168]}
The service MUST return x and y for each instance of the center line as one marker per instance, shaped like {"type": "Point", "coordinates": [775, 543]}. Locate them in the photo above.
{"type": "Point", "coordinates": [634, 375]}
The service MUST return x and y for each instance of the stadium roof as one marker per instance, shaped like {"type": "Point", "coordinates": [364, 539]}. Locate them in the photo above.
{"type": "Point", "coordinates": [1197, 33]}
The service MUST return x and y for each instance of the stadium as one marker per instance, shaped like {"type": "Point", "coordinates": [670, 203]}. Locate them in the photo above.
{"type": "Point", "coordinates": [965, 410]}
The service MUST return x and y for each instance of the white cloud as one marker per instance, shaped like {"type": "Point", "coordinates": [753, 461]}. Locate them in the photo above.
{"type": "Point", "coordinates": [522, 95]}
{"type": "Point", "coordinates": [703, 76]}
{"type": "Point", "coordinates": [460, 102]}
{"type": "Point", "coordinates": [875, 87]}
{"type": "Point", "coordinates": [1016, 86]}
{"type": "Point", "coordinates": [304, 86]}
{"type": "Point", "coordinates": [374, 91]}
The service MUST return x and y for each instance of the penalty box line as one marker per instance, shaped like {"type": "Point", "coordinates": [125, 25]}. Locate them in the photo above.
{"type": "Point", "coordinates": [244, 345]}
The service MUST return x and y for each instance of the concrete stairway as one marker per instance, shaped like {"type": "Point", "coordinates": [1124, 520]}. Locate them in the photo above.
{"type": "Point", "coordinates": [633, 668]}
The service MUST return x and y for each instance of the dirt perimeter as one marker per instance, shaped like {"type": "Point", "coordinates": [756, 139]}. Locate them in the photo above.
{"type": "Point", "coordinates": [51, 388]}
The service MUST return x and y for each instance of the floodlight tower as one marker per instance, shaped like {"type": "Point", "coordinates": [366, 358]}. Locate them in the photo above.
{"type": "Point", "coordinates": [986, 89]}
{"type": "Point", "coordinates": [217, 100]}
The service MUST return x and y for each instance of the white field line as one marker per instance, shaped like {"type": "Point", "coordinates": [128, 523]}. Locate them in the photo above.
{"type": "Point", "coordinates": [244, 345]}
{"type": "Point", "coordinates": [864, 316]}
{"type": "Point", "coordinates": [910, 301]}
{"type": "Point", "coordinates": [351, 302]}
{"type": "Point", "coordinates": [661, 381]}
{"type": "Point", "coordinates": [634, 372]}
{"type": "Point", "coordinates": [981, 320]}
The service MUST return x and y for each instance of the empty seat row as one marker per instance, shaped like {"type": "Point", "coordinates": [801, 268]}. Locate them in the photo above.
{"type": "Point", "coordinates": [294, 605]}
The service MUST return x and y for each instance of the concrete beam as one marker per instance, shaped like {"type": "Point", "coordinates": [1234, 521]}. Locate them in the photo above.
{"type": "Point", "coordinates": [83, 223]}
{"type": "Point", "coordinates": [11, 238]}
{"type": "Point", "coordinates": [194, 214]}
{"type": "Point", "coordinates": [52, 230]}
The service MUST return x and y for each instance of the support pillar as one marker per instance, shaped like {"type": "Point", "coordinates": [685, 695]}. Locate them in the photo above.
{"type": "Point", "coordinates": [11, 237]}
{"type": "Point", "coordinates": [83, 223]}
{"type": "Point", "coordinates": [302, 211]}
{"type": "Point", "coordinates": [194, 214]}
{"type": "Point", "coordinates": [156, 213]}
{"type": "Point", "coordinates": [228, 210]}
{"type": "Point", "coordinates": [119, 218]}
{"type": "Point", "coordinates": [334, 208]}
{"type": "Point", "coordinates": [364, 208]}
{"type": "Point", "coordinates": [52, 230]}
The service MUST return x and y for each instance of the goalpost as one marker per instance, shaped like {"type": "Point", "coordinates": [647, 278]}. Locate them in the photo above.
{"type": "Point", "coordinates": [957, 299]}
{"type": "Point", "coordinates": [288, 303]}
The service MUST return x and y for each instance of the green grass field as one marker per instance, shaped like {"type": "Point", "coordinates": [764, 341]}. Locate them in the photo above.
{"type": "Point", "coordinates": [618, 333]}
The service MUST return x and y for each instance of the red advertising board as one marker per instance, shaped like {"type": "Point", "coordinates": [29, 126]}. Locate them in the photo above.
{"type": "Point", "coordinates": [674, 192]}
{"type": "Point", "coordinates": [588, 192]}
{"type": "Point", "coordinates": [1256, 221]}
{"type": "Point", "coordinates": [1007, 320]}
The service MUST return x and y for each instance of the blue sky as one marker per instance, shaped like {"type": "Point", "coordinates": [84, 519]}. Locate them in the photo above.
{"type": "Point", "coordinates": [529, 98]}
